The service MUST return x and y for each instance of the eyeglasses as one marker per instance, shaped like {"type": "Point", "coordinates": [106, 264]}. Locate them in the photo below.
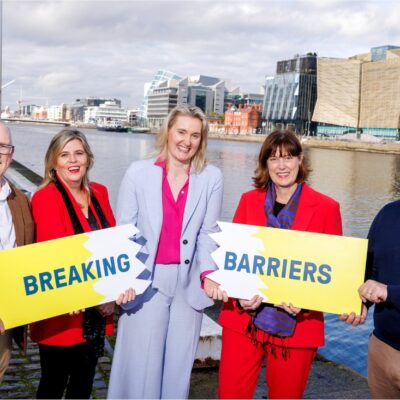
{"type": "Point", "coordinates": [6, 149]}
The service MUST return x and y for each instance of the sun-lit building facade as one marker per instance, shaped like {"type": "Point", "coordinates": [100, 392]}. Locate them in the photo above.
{"type": "Point", "coordinates": [360, 94]}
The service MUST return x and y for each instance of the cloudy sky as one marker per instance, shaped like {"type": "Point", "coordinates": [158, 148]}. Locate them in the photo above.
{"type": "Point", "coordinates": [61, 50]}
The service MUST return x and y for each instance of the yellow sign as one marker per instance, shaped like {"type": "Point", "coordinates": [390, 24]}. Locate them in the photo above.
{"type": "Point", "coordinates": [63, 275]}
{"type": "Point", "coordinates": [310, 270]}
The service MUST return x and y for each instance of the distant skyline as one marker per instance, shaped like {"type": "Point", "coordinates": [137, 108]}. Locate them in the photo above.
{"type": "Point", "coordinates": [58, 51]}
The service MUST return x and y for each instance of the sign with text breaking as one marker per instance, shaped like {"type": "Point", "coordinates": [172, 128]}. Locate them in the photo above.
{"type": "Point", "coordinates": [58, 276]}
{"type": "Point", "coordinates": [310, 270]}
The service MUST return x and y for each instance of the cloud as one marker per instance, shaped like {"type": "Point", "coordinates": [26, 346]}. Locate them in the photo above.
{"type": "Point", "coordinates": [70, 49]}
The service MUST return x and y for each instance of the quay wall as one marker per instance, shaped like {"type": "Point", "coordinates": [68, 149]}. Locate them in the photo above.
{"type": "Point", "coordinates": [356, 145]}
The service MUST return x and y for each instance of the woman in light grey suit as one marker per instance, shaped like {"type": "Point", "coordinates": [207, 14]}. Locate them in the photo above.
{"type": "Point", "coordinates": [175, 201]}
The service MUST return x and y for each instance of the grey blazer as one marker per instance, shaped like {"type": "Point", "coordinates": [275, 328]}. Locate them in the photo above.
{"type": "Point", "coordinates": [140, 203]}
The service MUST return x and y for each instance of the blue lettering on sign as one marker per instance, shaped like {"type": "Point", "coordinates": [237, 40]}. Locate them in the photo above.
{"type": "Point", "coordinates": [297, 270]}
{"type": "Point", "coordinates": [259, 262]}
{"type": "Point", "coordinates": [325, 270]}
{"type": "Point", "coordinates": [62, 277]}
{"type": "Point", "coordinates": [230, 261]}
{"type": "Point", "coordinates": [244, 263]}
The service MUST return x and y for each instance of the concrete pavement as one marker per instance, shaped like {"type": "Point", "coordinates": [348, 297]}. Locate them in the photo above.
{"type": "Point", "coordinates": [327, 380]}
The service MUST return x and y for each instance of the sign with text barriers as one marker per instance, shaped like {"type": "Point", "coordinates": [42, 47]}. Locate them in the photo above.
{"type": "Point", "coordinates": [310, 270]}
{"type": "Point", "coordinates": [58, 276]}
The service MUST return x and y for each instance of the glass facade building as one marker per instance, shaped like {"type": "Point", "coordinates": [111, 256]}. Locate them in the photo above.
{"type": "Point", "coordinates": [290, 95]}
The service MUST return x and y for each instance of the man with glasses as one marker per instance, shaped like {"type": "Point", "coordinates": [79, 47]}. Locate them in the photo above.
{"type": "Point", "coordinates": [16, 229]}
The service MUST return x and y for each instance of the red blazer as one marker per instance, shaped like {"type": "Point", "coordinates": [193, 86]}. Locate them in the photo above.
{"type": "Point", "coordinates": [316, 213]}
{"type": "Point", "coordinates": [52, 222]}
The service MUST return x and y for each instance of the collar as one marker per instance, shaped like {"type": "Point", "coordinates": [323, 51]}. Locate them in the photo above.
{"type": "Point", "coordinates": [163, 164]}
{"type": "Point", "coordinates": [5, 190]}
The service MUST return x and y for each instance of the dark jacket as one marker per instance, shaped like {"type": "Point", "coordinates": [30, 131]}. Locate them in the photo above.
{"type": "Point", "coordinates": [383, 265]}
{"type": "Point", "coordinates": [24, 234]}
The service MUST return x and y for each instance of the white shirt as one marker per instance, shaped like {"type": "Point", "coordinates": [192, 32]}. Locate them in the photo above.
{"type": "Point", "coordinates": [7, 231]}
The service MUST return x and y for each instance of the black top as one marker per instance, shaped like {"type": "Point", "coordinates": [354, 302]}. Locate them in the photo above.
{"type": "Point", "coordinates": [91, 219]}
{"type": "Point", "coordinates": [278, 207]}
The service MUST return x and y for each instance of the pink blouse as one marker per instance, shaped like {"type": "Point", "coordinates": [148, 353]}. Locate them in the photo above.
{"type": "Point", "coordinates": [168, 251]}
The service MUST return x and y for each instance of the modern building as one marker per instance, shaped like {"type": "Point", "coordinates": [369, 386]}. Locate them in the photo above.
{"type": "Point", "coordinates": [163, 99]}
{"type": "Point", "coordinates": [133, 116]}
{"type": "Point", "coordinates": [27, 109]}
{"type": "Point", "coordinates": [205, 92]}
{"type": "Point", "coordinates": [360, 94]}
{"type": "Point", "coordinates": [79, 105]}
{"type": "Point", "coordinates": [161, 76]}
{"type": "Point", "coordinates": [108, 111]}
{"type": "Point", "coordinates": [57, 112]}
{"type": "Point", "coordinates": [290, 94]}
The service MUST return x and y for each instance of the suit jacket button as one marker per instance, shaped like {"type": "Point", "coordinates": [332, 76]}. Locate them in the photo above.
{"type": "Point", "coordinates": [187, 261]}
{"type": "Point", "coordinates": [185, 242]}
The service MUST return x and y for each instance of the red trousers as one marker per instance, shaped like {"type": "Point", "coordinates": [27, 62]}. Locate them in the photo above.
{"type": "Point", "coordinates": [241, 362]}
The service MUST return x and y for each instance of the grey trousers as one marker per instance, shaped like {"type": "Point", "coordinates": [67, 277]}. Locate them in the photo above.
{"type": "Point", "coordinates": [156, 344]}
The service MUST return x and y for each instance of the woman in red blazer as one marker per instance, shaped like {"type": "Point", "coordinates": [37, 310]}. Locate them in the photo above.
{"type": "Point", "coordinates": [67, 204]}
{"type": "Point", "coordinates": [281, 199]}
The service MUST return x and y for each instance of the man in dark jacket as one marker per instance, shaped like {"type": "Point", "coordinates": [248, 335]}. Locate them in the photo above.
{"type": "Point", "coordinates": [16, 229]}
{"type": "Point", "coordinates": [383, 289]}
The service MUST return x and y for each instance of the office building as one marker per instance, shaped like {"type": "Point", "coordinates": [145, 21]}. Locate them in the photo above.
{"type": "Point", "coordinates": [360, 94]}
{"type": "Point", "coordinates": [290, 94]}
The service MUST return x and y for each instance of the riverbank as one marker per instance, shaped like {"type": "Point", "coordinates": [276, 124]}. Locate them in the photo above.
{"type": "Point", "coordinates": [322, 143]}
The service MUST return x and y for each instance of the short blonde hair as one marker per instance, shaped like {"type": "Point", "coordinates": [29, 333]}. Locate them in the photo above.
{"type": "Point", "coordinates": [56, 146]}
{"type": "Point", "coordinates": [199, 159]}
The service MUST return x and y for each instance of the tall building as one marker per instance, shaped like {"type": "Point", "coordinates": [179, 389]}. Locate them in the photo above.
{"type": "Point", "coordinates": [290, 94]}
{"type": "Point", "coordinates": [161, 76]}
{"type": "Point", "coordinates": [205, 92]}
{"type": "Point", "coordinates": [161, 101]}
{"type": "Point", "coordinates": [360, 94]}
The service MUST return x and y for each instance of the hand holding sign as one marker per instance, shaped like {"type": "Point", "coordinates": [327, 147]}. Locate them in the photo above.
{"type": "Point", "coordinates": [312, 271]}
{"type": "Point", "coordinates": [63, 275]}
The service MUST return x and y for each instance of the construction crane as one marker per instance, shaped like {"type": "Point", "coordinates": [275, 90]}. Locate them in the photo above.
{"type": "Point", "coordinates": [7, 84]}
{"type": "Point", "coordinates": [21, 101]}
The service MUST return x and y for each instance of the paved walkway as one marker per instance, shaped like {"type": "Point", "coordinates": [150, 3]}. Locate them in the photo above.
{"type": "Point", "coordinates": [23, 374]}
{"type": "Point", "coordinates": [327, 380]}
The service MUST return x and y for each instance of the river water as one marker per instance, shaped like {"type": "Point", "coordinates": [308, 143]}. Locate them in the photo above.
{"type": "Point", "coordinates": [361, 182]}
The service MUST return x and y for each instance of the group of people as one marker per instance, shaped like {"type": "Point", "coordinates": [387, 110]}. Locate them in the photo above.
{"type": "Point", "coordinates": [175, 200]}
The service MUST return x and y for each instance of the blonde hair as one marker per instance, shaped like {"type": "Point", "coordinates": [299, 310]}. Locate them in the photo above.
{"type": "Point", "coordinates": [56, 146]}
{"type": "Point", "coordinates": [198, 161]}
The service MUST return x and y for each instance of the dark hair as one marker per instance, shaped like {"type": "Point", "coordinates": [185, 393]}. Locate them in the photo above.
{"type": "Point", "coordinates": [281, 142]}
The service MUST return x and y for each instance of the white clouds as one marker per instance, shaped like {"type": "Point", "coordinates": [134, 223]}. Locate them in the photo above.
{"type": "Point", "coordinates": [75, 48]}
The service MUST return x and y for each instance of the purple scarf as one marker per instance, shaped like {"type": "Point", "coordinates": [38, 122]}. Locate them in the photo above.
{"type": "Point", "coordinates": [285, 218]}
{"type": "Point", "coordinates": [270, 319]}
